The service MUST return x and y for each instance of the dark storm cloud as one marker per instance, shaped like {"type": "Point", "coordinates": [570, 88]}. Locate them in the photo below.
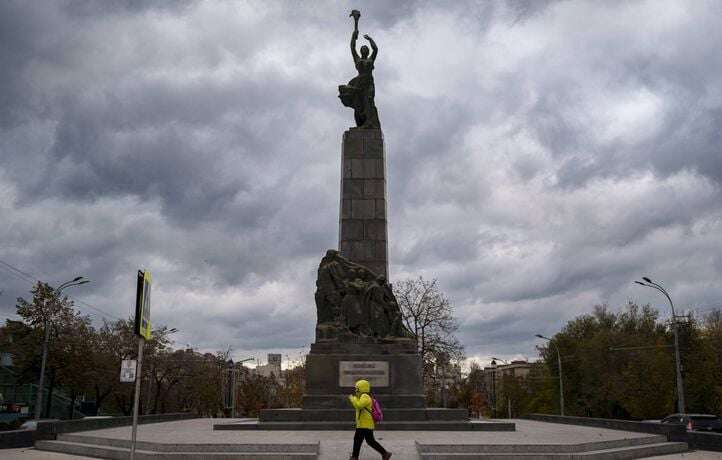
{"type": "Point", "coordinates": [541, 155]}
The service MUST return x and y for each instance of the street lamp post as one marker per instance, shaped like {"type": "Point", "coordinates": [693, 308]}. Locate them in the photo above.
{"type": "Point", "coordinates": [46, 325]}
{"type": "Point", "coordinates": [508, 399]}
{"type": "Point", "coordinates": [492, 366]}
{"type": "Point", "coordinates": [561, 380]}
{"type": "Point", "coordinates": [675, 329]}
{"type": "Point", "coordinates": [234, 383]}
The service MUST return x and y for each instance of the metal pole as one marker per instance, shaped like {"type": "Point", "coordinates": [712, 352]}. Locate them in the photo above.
{"type": "Point", "coordinates": [561, 382]}
{"type": "Point", "coordinates": [493, 392]}
{"type": "Point", "coordinates": [39, 398]}
{"type": "Point", "coordinates": [561, 379]}
{"type": "Point", "coordinates": [136, 397]}
{"type": "Point", "coordinates": [675, 330]}
{"type": "Point", "coordinates": [508, 402]}
{"type": "Point", "coordinates": [56, 298]}
{"type": "Point", "coordinates": [443, 383]}
{"type": "Point", "coordinates": [233, 391]}
{"type": "Point", "coordinates": [148, 391]}
{"type": "Point", "coordinates": [680, 385]}
{"type": "Point", "coordinates": [678, 361]}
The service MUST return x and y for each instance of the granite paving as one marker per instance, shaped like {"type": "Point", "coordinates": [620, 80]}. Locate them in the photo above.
{"type": "Point", "coordinates": [337, 444]}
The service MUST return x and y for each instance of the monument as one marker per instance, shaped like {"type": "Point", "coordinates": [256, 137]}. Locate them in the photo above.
{"type": "Point", "coordinates": [360, 332]}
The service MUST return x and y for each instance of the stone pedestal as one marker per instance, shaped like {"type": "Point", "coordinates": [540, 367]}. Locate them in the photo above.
{"type": "Point", "coordinates": [362, 222]}
{"type": "Point", "coordinates": [394, 371]}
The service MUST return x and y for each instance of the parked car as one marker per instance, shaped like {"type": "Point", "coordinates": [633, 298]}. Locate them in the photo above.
{"type": "Point", "coordinates": [696, 422]}
{"type": "Point", "coordinates": [33, 424]}
{"type": "Point", "coordinates": [715, 426]}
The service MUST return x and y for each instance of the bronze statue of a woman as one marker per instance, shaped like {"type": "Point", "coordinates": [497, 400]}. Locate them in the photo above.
{"type": "Point", "coordinates": [359, 92]}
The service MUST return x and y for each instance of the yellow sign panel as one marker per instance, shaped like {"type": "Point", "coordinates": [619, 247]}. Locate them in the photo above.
{"type": "Point", "coordinates": [142, 305]}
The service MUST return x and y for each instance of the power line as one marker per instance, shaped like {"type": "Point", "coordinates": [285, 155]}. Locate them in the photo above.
{"type": "Point", "coordinates": [707, 308]}
{"type": "Point", "coordinates": [29, 277]}
{"type": "Point", "coordinates": [16, 273]}
{"type": "Point", "coordinates": [643, 347]}
{"type": "Point", "coordinates": [12, 267]}
{"type": "Point", "coordinates": [77, 300]}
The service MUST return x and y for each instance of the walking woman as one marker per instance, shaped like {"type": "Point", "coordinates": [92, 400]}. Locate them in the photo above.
{"type": "Point", "coordinates": [361, 401]}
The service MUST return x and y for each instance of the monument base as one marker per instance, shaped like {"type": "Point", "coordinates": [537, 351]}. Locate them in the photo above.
{"type": "Point", "coordinates": [393, 369]}
{"type": "Point", "coordinates": [392, 366]}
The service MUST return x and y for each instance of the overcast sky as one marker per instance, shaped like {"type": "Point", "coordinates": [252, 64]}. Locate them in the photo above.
{"type": "Point", "coordinates": [541, 156]}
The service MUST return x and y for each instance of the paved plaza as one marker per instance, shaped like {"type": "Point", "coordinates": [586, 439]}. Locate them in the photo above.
{"type": "Point", "coordinates": [336, 445]}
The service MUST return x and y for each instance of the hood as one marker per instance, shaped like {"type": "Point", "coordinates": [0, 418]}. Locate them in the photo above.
{"type": "Point", "coordinates": [363, 386]}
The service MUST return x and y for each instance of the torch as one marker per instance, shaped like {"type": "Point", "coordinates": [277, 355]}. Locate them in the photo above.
{"type": "Point", "coordinates": [356, 14]}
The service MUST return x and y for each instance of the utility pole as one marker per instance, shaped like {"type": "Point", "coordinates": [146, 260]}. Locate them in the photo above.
{"type": "Point", "coordinates": [47, 324]}
{"type": "Point", "coordinates": [493, 388]}
{"type": "Point", "coordinates": [233, 391]}
{"type": "Point", "coordinates": [508, 398]}
{"type": "Point", "coordinates": [561, 380]}
{"type": "Point", "coordinates": [234, 383]}
{"type": "Point", "coordinates": [443, 384]}
{"type": "Point", "coordinates": [675, 328]}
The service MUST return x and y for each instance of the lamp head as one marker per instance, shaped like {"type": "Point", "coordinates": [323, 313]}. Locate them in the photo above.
{"type": "Point", "coordinates": [540, 336]}
{"type": "Point", "coordinates": [646, 279]}
{"type": "Point", "coordinates": [639, 282]}
{"type": "Point", "coordinates": [77, 278]}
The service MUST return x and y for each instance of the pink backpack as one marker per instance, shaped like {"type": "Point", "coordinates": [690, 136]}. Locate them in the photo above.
{"type": "Point", "coordinates": [376, 413]}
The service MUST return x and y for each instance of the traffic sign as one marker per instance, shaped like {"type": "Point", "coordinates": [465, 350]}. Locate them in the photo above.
{"type": "Point", "coordinates": [142, 305]}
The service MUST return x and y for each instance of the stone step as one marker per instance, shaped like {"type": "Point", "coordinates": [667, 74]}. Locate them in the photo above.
{"type": "Point", "coordinates": [122, 453]}
{"type": "Point", "coordinates": [345, 415]}
{"type": "Point", "coordinates": [340, 401]}
{"type": "Point", "coordinates": [424, 448]}
{"type": "Point", "coordinates": [199, 447]}
{"type": "Point", "coordinates": [438, 425]}
{"type": "Point", "coordinates": [619, 453]}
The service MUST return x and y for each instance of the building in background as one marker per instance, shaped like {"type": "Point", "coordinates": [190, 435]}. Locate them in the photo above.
{"type": "Point", "coordinates": [494, 375]}
{"type": "Point", "coordinates": [272, 368]}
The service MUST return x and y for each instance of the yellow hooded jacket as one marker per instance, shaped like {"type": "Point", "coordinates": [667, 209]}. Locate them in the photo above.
{"type": "Point", "coordinates": [361, 401]}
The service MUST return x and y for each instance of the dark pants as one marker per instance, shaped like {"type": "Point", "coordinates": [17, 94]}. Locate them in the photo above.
{"type": "Point", "coordinates": [368, 435]}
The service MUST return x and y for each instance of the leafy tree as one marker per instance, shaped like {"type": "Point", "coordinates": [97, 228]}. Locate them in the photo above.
{"type": "Point", "coordinates": [621, 365]}
{"type": "Point", "coordinates": [254, 393]}
{"type": "Point", "coordinates": [68, 331]}
{"type": "Point", "coordinates": [711, 335]}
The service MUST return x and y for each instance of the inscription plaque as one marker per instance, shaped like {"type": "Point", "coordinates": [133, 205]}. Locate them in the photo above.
{"type": "Point", "coordinates": [376, 372]}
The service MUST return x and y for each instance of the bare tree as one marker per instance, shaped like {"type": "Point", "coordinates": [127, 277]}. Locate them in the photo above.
{"type": "Point", "coordinates": [429, 315]}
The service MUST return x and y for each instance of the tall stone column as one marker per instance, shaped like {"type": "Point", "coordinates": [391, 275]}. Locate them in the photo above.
{"type": "Point", "coordinates": [362, 221]}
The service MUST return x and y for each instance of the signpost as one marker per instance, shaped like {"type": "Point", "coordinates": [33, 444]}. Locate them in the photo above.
{"type": "Point", "coordinates": [142, 330]}
{"type": "Point", "coordinates": [127, 370]}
